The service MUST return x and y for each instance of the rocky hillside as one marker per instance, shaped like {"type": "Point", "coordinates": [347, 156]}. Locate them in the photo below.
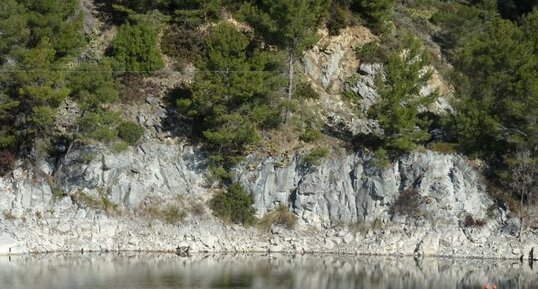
{"type": "Point", "coordinates": [359, 132]}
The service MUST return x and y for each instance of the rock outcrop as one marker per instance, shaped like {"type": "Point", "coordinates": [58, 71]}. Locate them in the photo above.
{"type": "Point", "coordinates": [349, 188]}
{"type": "Point", "coordinates": [154, 195]}
{"type": "Point", "coordinates": [344, 205]}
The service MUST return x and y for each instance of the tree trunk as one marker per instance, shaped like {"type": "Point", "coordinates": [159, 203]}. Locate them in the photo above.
{"type": "Point", "coordinates": [291, 74]}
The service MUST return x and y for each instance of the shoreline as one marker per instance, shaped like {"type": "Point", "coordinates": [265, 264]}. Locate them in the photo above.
{"type": "Point", "coordinates": [102, 234]}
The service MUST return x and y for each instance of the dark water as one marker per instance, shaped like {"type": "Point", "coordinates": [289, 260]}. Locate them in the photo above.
{"type": "Point", "coordinates": [160, 271]}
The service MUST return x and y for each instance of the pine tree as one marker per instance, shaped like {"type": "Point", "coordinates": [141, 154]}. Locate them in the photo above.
{"type": "Point", "coordinates": [291, 25]}
{"type": "Point", "coordinates": [399, 90]}
{"type": "Point", "coordinates": [233, 94]}
{"type": "Point", "coordinates": [14, 30]}
{"type": "Point", "coordinates": [135, 48]}
{"type": "Point", "coordinates": [505, 88]}
{"type": "Point", "coordinates": [378, 13]}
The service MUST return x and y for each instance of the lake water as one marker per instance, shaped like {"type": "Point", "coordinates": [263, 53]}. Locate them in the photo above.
{"type": "Point", "coordinates": [259, 271]}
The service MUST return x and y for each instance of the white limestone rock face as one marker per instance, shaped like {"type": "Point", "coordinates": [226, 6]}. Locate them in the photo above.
{"type": "Point", "coordinates": [349, 189]}
{"type": "Point", "coordinates": [343, 206]}
{"type": "Point", "coordinates": [128, 178]}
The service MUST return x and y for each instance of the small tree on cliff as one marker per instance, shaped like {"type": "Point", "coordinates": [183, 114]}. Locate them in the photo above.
{"type": "Point", "coordinates": [232, 96]}
{"type": "Point", "coordinates": [399, 89]}
{"type": "Point", "coordinates": [289, 24]}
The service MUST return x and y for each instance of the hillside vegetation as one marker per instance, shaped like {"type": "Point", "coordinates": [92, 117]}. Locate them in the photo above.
{"type": "Point", "coordinates": [248, 87]}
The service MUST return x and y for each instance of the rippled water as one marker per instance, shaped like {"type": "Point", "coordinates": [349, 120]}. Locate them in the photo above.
{"type": "Point", "coordinates": [134, 270]}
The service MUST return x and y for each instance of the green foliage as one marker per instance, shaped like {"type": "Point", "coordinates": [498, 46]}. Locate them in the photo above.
{"type": "Point", "coordinates": [100, 125]}
{"type": "Point", "coordinates": [141, 6]}
{"type": "Point", "coordinates": [495, 70]}
{"type": "Point", "coordinates": [32, 97]}
{"type": "Point", "coordinates": [378, 13]}
{"type": "Point", "coordinates": [341, 16]}
{"type": "Point", "coordinates": [516, 9]}
{"type": "Point", "coordinates": [305, 91]}
{"type": "Point", "coordinates": [14, 28]}
{"type": "Point", "coordinates": [232, 96]}
{"type": "Point", "coordinates": [192, 13]}
{"type": "Point", "coordinates": [314, 157]}
{"type": "Point", "coordinates": [130, 132]}
{"type": "Point", "coordinates": [399, 90]}
{"type": "Point", "coordinates": [134, 49]}
{"type": "Point", "coordinates": [234, 205]}
{"type": "Point", "coordinates": [37, 36]}
{"type": "Point", "coordinates": [58, 22]}
{"type": "Point", "coordinates": [92, 85]}
{"type": "Point", "coordinates": [381, 158]}
{"type": "Point", "coordinates": [498, 101]}
{"type": "Point", "coordinates": [289, 24]}
{"type": "Point", "coordinates": [459, 22]}
{"type": "Point", "coordinates": [370, 53]}
{"type": "Point", "coordinates": [310, 134]}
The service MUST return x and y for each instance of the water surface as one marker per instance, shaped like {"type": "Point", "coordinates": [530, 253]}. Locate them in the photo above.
{"type": "Point", "coordinates": [258, 271]}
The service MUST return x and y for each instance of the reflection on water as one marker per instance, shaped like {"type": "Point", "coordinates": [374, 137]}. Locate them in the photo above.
{"type": "Point", "coordinates": [144, 270]}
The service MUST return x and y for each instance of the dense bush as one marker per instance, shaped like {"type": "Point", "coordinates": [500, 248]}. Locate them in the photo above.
{"type": "Point", "coordinates": [310, 134]}
{"type": "Point", "coordinates": [134, 49]}
{"type": "Point", "coordinates": [341, 17]}
{"type": "Point", "coordinates": [470, 221]}
{"type": "Point", "coordinates": [233, 96]}
{"type": "Point", "coordinates": [234, 205]}
{"type": "Point", "coordinates": [130, 132]}
{"type": "Point", "coordinates": [378, 13]}
{"type": "Point", "coordinates": [399, 89]}
{"type": "Point", "coordinates": [315, 156]}
{"type": "Point", "coordinates": [38, 38]}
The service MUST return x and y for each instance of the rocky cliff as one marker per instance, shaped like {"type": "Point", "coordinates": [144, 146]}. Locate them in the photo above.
{"type": "Point", "coordinates": [345, 204]}
{"type": "Point", "coordinates": [154, 195]}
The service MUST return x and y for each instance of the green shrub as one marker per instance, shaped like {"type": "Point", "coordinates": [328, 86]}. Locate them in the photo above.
{"type": "Point", "coordinates": [310, 134]}
{"type": "Point", "coordinates": [305, 91]}
{"type": "Point", "coordinates": [100, 125]}
{"type": "Point", "coordinates": [279, 216]}
{"type": "Point", "coordinates": [130, 132]}
{"type": "Point", "coordinates": [234, 205]}
{"type": "Point", "coordinates": [134, 49]}
{"type": "Point", "coordinates": [173, 214]}
{"type": "Point", "coordinates": [368, 140]}
{"type": "Point", "coordinates": [314, 157]}
{"type": "Point", "coordinates": [378, 13]}
{"type": "Point", "coordinates": [381, 158]}
{"type": "Point", "coordinates": [119, 146]}
{"type": "Point", "coordinates": [341, 17]}
{"type": "Point", "coordinates": [371, 52]}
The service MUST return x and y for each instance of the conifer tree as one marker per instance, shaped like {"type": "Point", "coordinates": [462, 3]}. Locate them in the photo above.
{"type": "Point", "coordinates": [233, 94]}
{"type": "Point", "coordinates": [399, 89]}
{"type": "Point", "coordinates": [291, 25]}
{"type": "Point", "coordinates": [378, 13]}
